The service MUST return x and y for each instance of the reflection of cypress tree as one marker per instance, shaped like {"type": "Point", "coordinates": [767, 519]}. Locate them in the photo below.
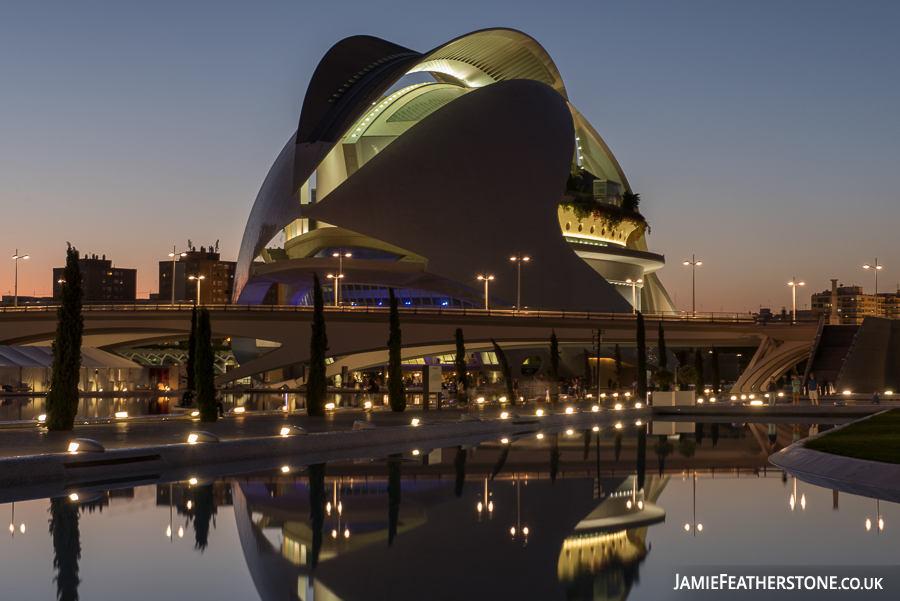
{"type": "Point", "coordinates": [714, 434]}
{"type": "Point", "coordinates": [618, 445]}
{"type": "Point", "coordinates": [507, 373]}
{"type": "Point", "coordinates": [393, 496]}
{"type": "Point", "coordinates": [460, 463]}
{"type": "Point", "coordinates": [698, 433]}
{"type": "Point", "coordinates": [204, 510]}
{"type": "Point", "coordinates": [641, 457]}
{"type": "Point", "coordinates": [663, 449]}
{"type": "Point", "coordinates": [554, 456]}
{"type": "Point", "coordinates": [192, 343]}
{"type": "Point", "coordinates": [317, 500]}
{"type": "Point", "coordinates": [66, 547]}
{"type": "Point", "coordinates": [501, 461]}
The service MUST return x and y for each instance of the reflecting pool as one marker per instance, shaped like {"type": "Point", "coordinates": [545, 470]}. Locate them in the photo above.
{"type": "Point", "coordinates": [530, 519]}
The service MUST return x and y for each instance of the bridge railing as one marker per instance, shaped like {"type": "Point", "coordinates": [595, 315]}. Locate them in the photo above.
{"type": "Point", "coordinates": [718, 317]}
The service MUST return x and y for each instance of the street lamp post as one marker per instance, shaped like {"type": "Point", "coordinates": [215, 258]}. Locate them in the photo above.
{"type": "Point", "coordinates": [793, 284]}
{"type": "Point", "coordinates": [518, 259]}
{"type": "Point", "coordinates": [694, 527]}
{"type": "Point", "coordinates": [337, 281]}
{"type": "Point", "coordinates": [174, 254]}
{"type": "Point", "coordinates": [693, 263]}
{"type": "Point", "coordinates": [876, 267]}
{"type": "Point", "coordinates": [16, 257]}
{"type": "Point", "coordinates": [198, 278]}
{"type": "Point", "coordinates": [486, 278]}
{"type": "Point", "coordinates": [633, 283]}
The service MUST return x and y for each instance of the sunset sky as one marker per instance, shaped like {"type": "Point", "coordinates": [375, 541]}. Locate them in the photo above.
{"type": "Point", "coordinates": [762, 136]}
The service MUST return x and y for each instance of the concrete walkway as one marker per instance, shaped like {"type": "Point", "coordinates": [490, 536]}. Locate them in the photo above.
{"type": "Point", "coordinates": [32, 439]}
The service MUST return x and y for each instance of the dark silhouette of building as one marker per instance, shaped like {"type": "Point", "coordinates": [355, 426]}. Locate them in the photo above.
{"type": "Point", "coordinates": [103, 283]}
{"type": "Point", "coordinates": [215, 287]}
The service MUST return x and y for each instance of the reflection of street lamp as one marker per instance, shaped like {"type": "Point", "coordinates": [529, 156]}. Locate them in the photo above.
{"type": "Point", "coordinates": [486, 278]}
{"type": "Point", "coordinates": [16, 258]}
{"type": "Point", "coordinates": [519, 530]}
{"type": "Point", "coordinates": [633, 283]}
{"type": "Point", "coordinates": [793, 500]}
{"type": "Point", "coordinates": [878, 519]}
{"type": "Point", "coordinates": [876, 267]}
{"type": "Point", "coordinates": [12, 523]}
{"type": "Point", "coordinates": [518, 259]}
{"type": "Point", "coordinates": [485, 503]}
{"type": "Point", "coordinates": [693, 263]}
{"type": "Point", "coordinates": [694, 526]}
{"type": "Point", "coordinates": [198, 278]}
{"type": "Point", "coordinates": [174, 254]}
{"type": "Point", "coordinates": [337, 286]}
{"type": "Point", "coordinates": [793, 284]}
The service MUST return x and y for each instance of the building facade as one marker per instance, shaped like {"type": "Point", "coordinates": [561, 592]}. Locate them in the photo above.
{"type": "Point", "coordinates": [423, 187]}
{"type": "Point", "coordinates": [102, 282]}
{"type": "Point", "coordinates": [852, 303]}
{"type": "Point", "coordinates": [216, 283]}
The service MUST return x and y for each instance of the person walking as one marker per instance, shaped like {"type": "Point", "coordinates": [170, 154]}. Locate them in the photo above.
{"type": "Point", "coordinates": [772, 391]}
{"type": "Point", "coordinates": [812, 387]}
{"type": "Point", "coordinates": [796, 387]}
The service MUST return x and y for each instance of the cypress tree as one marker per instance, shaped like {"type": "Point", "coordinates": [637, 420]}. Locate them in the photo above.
{"type": "Point", "coordinates": [588, 373]}
{"type": "Point", "coordinates": [714, 366]}
{"type": "Point", "coordinates": [462, 374]}
{"type": "Point", "coordinates": [396, 393]}
{"type": "Point", "coordinates": [66, 537]}
{"type": "Point", "coordinates": [204, 371]}
{"type": "Point", "coordinates": [507, 373]}
{"type": "Point", "coordinates": [641, 359]}
{"type": "Point", "coordinates": [698, 367]}
{"type": "Point", "coordinates": [663, 353]}
{"type": "Point", "coordinates": [316, 386]}
{"type": "Point", "coordinates": [62, 400]}
{"type": "Point", "coordinates": [192, 349]}
{"type": "Point", "coordinates": [617, 358]}
{"type": "Point", "coordinates": [553, 371]}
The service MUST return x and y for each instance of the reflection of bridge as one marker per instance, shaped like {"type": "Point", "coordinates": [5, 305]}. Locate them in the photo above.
{"type": "Point", "coordinates": [357, 335]}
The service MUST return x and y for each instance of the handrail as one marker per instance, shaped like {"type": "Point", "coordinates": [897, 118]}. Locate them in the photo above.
{"type": "Point", "coordinates": [422, 310]}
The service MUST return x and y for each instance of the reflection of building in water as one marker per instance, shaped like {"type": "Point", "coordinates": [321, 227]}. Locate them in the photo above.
{"type": "Point", "coordinates": [273, 522]}
{"type": "Point", "coordinates": [600, 559]}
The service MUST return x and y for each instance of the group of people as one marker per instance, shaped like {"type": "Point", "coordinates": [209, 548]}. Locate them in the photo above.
{"type": "Point", "coordinates": [812, 387]}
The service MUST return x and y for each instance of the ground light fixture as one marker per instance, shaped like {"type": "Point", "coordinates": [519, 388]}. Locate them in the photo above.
{"type": "Point", "coordinates": [85, 445]}
{"type": "Point", "coordinates": [638, 423]}
{"type": "Point", "coordinates": [329, 405]}
{"type": "Point", "coordinates": [367, 404]}
{"type": "Point", "coordinates": [569, 411]}
{"type": "Point", "coordinates": [479, 399]}
{"type": "Point", "coordinates": [504, 440]}
{"type": "Point", "coordinates": [638, 405]}
{"type": "Point", "coordinates": [121, 414]}
{"type": "Point", "coordinates": [195, 413]}
{"type": "Point", "coordinates": [618, 406]}
{"type": "Point", "coordinates": [595, 408]}
{"type": "Point", "coordinates": [570, 432]}
{"type": "Point", "coordinates": [415, 451]}
{"type": "Point", "coordinates": [756, 403]}
{"type": "Point", "coordinates": [618, 426]}
{"type": "Point", "coordinates": [198, 436]}
{"type": "Point", "coordinates": [285, 469]}
{"type": "Point", "coordinates": [421, 421]}
{"type": "Point", "coordinates": [596, 428]}
{"type": "Point", "coordinates": [293, 431]}
{"type": "Point", "coordinates": [540, 436]}
{"type": "Point", "coordinates": [192, 481]}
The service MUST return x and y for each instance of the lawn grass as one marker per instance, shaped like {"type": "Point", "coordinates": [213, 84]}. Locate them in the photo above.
{"type": "Point", "coordinates": [875, 439]}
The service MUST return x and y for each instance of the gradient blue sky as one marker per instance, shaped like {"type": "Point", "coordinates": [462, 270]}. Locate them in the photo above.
{"type": "Point", "coordinates": [762, 136]}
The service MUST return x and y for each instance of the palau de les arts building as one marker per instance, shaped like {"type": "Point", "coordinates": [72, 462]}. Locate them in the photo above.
{"type": "Point", "coordinates": [430, 185]}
